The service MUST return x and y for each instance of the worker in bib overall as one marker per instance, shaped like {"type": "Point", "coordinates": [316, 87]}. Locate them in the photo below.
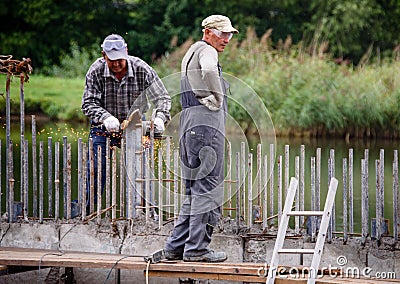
{"type": "Point", "coordinates": [202, 140]}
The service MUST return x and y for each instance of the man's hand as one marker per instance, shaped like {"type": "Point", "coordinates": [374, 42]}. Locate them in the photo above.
{"type": "Point", "coordinates": [159, 125]}
{"type": "Point", "coordinates": [112, 124]}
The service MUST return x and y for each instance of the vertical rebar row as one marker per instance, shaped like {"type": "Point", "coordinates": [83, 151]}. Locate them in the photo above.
{"type": "Point", "coordinates": [50, 175]}
{"type": "Point", "coordinates": [348, 222]}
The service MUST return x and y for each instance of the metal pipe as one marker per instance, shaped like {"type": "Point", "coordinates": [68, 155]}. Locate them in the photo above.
{"type": "Point", "coordinates": [114, 183]}
{"type": "Point", "coordinates": [271, 181]}
{"type": "Point", "coordinates": [108, 179]}
{"type": "Point", "coordinates": [34, 169]}
{"type": "Point", "coordinates": [50, 175]}
{"type": "Point", "coordinates": [25, 197]}
{"type": "Point", "coordinates": [57, 180]}
{"type": "Point", "coordinates": [250, 191]}
{"type": "Point", "coordinates": [99, 185]}
{"type": "Point", "coordinates": [301, 181]}
{"type": "Point", "coordinates": [41, 173]}
{"type": "Point", "coordinates": [265, 193]}
{"type": "Point", "coordinates": [345, 192]}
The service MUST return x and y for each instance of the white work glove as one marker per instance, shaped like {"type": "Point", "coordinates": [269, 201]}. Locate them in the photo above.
{"type": "Point", "coordinates": [211, 103]}
{"type": "Point", "coordinates": [159, 125]}
{"type": "Point", "coordinates": [112, 124]}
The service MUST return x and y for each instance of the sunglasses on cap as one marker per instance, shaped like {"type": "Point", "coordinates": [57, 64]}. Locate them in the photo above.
{"type": "Point", "coordinates": [116, 44]}
{"type": "Point", "coordinates": [222, 35]}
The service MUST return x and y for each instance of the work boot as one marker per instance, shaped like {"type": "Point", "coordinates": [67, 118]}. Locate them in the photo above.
{"type": "Point", "coordinates": [210, 256]}
{"type": "Point", "coordinates": [172, 255]}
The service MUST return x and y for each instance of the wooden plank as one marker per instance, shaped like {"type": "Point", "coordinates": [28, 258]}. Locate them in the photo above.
{"type": "Point", "coordinates": [246, 272]}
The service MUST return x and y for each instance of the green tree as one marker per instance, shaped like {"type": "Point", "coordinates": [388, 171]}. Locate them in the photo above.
{"type": "Point", "coordinates": [352, 27]}
{"type": "Point", "coordinates": [44, 29]}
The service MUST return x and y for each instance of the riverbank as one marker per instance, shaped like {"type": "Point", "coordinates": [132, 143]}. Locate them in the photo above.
{"type": "Point", "coordinates": [304, 95]}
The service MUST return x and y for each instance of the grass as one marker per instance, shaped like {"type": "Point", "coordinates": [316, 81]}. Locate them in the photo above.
{"type": "Point", "coordinates": [58, 98]}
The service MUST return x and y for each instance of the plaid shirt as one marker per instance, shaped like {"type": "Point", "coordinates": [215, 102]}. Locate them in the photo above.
{"type": "Point", "coordinates": [105, 95]}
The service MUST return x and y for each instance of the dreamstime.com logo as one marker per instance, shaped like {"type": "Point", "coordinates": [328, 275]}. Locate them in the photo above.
{"type": "Point", "coordinates": [340, 271]}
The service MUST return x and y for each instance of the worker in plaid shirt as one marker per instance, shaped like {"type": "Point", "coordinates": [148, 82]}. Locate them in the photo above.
{"type": "Point", "coordinates": [117, 84]}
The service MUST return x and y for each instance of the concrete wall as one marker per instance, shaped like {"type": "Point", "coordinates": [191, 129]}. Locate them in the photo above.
{"type": "Point", "coordinates": [137, 238]}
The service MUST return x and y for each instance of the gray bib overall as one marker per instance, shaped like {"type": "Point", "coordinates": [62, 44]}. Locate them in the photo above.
{"type": "Point", "coordinates": [202, 140]}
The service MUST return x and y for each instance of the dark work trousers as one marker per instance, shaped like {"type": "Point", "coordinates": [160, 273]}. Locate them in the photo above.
{"type": "Point", "coordinates": [99, 137]}
{"type": "Point", "coordinates": [202, 140]}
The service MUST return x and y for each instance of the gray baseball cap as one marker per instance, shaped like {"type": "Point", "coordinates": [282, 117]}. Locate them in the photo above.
{"type": "Point", "coordinates": [115, 47]}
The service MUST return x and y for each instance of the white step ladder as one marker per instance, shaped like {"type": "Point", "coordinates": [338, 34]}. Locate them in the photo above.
{"type": "Point", "coordinates": [280, 238]}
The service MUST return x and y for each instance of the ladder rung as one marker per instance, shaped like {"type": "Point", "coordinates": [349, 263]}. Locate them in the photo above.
{"type": "Point", "coordinates": [298, 251]}
{"type": "Point", "coordinates": [305, 213]}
